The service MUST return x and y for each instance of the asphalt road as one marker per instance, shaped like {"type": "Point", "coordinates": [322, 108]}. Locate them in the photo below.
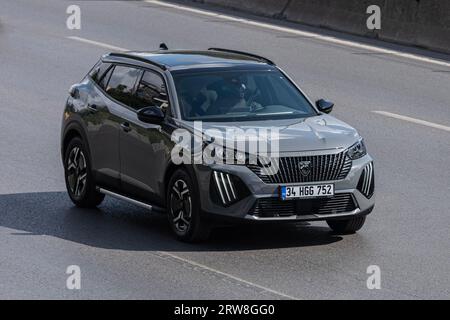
{"type": "Point", "coordinates": [124, 252]}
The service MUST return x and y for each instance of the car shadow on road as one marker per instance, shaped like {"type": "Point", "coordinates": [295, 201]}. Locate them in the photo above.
{"type": "Point", "coordinates": [119, 225]}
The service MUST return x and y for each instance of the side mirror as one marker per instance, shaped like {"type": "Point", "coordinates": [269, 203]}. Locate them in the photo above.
{"type": "Point", "coordinates": [324, 105]}
{"type": "Point", "coordinates": [74, 92]}
{"type": "Point", "coordinates": [151, 114]}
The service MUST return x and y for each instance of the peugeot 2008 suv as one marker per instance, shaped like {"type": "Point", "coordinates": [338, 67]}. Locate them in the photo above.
{"type": "Point", "coordinates": [124, 120]}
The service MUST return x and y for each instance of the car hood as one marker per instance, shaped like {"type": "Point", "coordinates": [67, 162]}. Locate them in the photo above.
{"type": "Point", "coordinates": [321, 132]}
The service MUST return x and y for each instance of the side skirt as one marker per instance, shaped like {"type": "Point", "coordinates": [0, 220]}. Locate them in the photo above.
{"type": "Point", "coordinates": [145, 205]}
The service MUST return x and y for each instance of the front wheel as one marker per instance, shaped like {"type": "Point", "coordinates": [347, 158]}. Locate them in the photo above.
{"type": "Point", "coordinates": [79, 179]}
{"type": "Point", "coordinates": [183, 209]}
{"type": "Point", "coordinates": [347, 226]}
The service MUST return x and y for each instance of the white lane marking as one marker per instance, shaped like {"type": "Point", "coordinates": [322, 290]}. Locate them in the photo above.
{"type": "Point", "coordinates": [413, 120]}
{"type": "Point", "coordinates": [97, 43]}
{"type": "Point", "coordinates": [202, 266]}
{"type": "Point", "coordinates": [335, 40]}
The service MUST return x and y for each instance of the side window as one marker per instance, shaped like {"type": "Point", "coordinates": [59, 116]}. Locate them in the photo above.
{"type": "Point", "coordinates": [151, 91]}
{"type": "Point", "coordinates": [121, 84]}
{"type": "Point", "coordinates": [98, 71]}
{"type": "Point", "coordinates": [105, 78]}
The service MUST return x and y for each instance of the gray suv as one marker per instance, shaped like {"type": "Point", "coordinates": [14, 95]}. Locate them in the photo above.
{"type": "Point", "coordinates": [123, 121]}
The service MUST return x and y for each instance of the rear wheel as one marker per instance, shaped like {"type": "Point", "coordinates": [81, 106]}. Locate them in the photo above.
{"type": "Point", "coordinates": [347, 226]}
{"type": "Point", "coordinates": [183, 209]}
{"type": "Point", "coordinates": [80, 183]}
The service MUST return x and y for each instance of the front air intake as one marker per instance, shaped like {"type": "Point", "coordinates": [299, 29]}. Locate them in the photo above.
{"type": "Point", "coordinates": [274, 207]}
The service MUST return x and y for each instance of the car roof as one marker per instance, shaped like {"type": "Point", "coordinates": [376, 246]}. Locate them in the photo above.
{"type": "Point", "coordinates": [191, 59]}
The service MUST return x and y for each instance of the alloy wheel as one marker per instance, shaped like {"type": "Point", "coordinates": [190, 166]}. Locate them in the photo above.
{"type": "Point", "coordinates": [180, 206]}
{"type": "Point", "coordinates": [76, 171]}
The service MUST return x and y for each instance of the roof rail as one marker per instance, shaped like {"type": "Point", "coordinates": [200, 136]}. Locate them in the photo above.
{"type": "Point", "coordinates": [244, 54]}
{"type": "Point", "coordinates": [135, 57]}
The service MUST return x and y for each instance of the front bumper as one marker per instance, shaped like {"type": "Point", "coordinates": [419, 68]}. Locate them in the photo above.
{"type": "Point", "coordinates": [257, 190]}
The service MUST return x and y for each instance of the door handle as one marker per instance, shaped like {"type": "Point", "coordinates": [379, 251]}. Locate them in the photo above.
{"type": "Point", "coordinates": [93, 107]}
{"type": "Point", "coordinates": [125, 126]}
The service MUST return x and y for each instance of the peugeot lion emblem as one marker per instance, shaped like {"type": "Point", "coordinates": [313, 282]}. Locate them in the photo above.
{"type": "Point", "coordinates": [305, 167]}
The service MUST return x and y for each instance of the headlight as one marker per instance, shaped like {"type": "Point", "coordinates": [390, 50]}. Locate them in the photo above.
{"type": "Point", "coordinates": [218, 154]}
{"type": "Point", "coordinates": [357, 150]}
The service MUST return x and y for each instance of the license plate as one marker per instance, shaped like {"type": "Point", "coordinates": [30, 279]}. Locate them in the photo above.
{"type": "Point", "coordinates": [306, 191]}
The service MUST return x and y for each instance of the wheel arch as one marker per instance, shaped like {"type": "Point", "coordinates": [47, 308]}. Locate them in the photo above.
{"type": "Point", "coordinates": [71, 131]}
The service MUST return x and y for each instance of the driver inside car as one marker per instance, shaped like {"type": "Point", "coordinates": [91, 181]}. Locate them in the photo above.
{"type": "Point", "coordinates": [246, 102]}
{"type": "Point", "coordinates": [235, 97]}
{"type": "Point", "coordinates": [201, 102]}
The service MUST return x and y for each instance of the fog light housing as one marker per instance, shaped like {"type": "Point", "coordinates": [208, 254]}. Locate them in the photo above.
{"type": "Point", "coordinates": [366, 184]}
{"type": "Point", "coordinates": [227, 188]}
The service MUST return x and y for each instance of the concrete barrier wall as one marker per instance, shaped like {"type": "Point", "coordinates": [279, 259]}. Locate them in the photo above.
{"type": "Point", "coordinates": [268, 8]}
{"type": "Point", "coordinates": [423, 23]}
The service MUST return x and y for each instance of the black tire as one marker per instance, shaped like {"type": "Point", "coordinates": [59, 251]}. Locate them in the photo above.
{"type": "Point", "coordinates": [80, 182]}
{"type": "Point", "coordinates": [347, 226]}
{"type": "Point", "coordinates": [183, 209]}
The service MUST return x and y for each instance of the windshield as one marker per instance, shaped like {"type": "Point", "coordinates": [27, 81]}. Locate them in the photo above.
{"type": "Point", "coordinates": [239, 96]}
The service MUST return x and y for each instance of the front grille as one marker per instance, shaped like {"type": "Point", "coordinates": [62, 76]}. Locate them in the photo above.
{"type": "Point", "coordinates": [323, 168]}
{"type": "Point", "coordinates": [274, 207]}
